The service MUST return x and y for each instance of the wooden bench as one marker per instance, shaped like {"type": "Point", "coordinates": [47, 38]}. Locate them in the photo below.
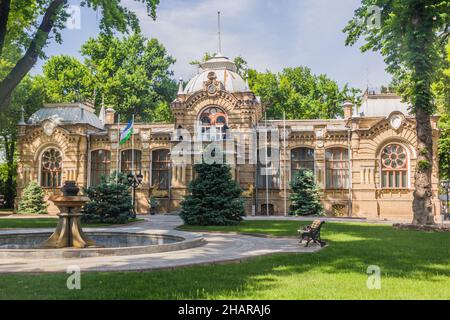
{"type": "Point", "coordinates": [312, 233]}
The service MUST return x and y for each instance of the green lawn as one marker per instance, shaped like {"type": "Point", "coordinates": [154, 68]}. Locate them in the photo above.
{"type": "Point", "coordinates": [414, 265]}
{"type": "Point", "coordinates": [15, 223]}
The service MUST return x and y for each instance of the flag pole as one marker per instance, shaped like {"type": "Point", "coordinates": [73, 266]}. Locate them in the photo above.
{"type": "Point", "coordinates": [118, 148]}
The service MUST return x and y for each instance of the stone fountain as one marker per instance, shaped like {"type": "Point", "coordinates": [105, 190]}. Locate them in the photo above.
{"type": "Point", "coordinates": [68, 232]}
{"type": "Point", "coordinates": [69, 240]}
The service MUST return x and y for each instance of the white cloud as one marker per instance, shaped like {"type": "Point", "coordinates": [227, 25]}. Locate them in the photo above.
{"type": "Point", "coordinates": [269, 34]}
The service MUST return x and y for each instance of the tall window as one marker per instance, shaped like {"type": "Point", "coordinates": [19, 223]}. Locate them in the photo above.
{"type": "Point", "coordinates": [267, 175]}
{"type": "Point", "coordinates": [160, 169]}
{"type": "Point", "coordinates": [301, 159]}
{"type": "Point", "coordinates": [126, 163]}
{"type": "Point", "coordinates": [100, 165]}
{"type": "Point", "coordinates": [213, 123]}
{"type": "Point", "coordinates": [336, 163]}
{"type": "Point", "coordinates": [394, 167]}
{"type": "Point", "coordinates": [51, 164]}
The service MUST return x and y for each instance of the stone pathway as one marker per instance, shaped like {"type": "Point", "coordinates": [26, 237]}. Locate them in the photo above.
{"type": "Point", "coordinates": [219, 248]}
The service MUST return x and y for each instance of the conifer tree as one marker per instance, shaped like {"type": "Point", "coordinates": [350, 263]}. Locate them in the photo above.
{"type": "Point", "coordinates": [32, 201]}
{"type": "Point", "coordinates": [214, 199]}
{"type": "Point", "coordinates": [305, 196]}
{"type": "Point", "coordinates": [110, 201]}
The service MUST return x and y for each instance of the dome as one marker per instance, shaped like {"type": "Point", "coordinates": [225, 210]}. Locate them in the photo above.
{"type": "Point", "coordinates": [225, 70]}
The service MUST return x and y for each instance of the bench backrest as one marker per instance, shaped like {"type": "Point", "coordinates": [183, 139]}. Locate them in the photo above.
{"type": "Point", "coordinates": [316, 225]}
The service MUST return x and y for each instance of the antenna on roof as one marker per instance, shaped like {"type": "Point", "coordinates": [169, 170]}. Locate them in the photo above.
{"type": "Point", "coordinates": [218, 28]}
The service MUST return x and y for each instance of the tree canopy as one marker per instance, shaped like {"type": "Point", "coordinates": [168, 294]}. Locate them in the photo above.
{"type": "Point", "coordinates": [27, 95]}
{"type": "Point", "coordinates": [31, 24]}
{"type": "Point", "coordinates": [300, 94]}
{"type": "Point", "coordinates": [296, 91]}
{"type": "Point", "coordinates": [131, 74]}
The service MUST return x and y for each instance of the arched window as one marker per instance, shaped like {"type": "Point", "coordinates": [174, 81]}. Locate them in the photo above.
{"type": "Point", "coordinates": [394, 167]}
{"type": "Point", "coordinates": [100, 165]}
{"type": "Point", "coordinates": [336, 165]}
{"type": "Point", "coordinates": [301, 159]}
{"type": "Point", "coordinates": [126, 163]}
{"type": "Point", "coordinates": [160, 169]}
{"type": "Point", "coordinates": [51, 168]}
{"type": "Point", "coordinates": [267, 175]}
{"type": "Point", "coordinates": [213, 122]}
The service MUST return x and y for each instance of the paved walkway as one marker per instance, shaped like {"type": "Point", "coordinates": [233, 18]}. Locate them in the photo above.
{"type": "Point", "coordinates": [219, 248]}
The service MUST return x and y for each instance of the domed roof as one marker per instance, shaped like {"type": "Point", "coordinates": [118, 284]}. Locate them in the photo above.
{"type": "Point", "coordinates": [225, 71]}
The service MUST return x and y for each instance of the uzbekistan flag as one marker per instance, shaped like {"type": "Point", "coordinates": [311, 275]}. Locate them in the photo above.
{"type": "Point", "coordinates": [126, 133]}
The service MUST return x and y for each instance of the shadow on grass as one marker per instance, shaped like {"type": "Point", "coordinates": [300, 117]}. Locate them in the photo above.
{"type": "Point", "coordinates": [413, 264]}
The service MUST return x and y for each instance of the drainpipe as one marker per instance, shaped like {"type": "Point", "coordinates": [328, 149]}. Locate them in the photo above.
{"type": "Point", "coordinates": [348, 114]}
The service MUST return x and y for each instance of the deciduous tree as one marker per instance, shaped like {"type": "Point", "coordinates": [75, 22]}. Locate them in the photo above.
{"type": "Point", "coordinates": [32, 23]}
{"type": "Point", "coordinates": [300, 94]}
{"type": "Point", "coordinates": [131, 74]}
{"type": "Point", "coordinates": [411, 36]}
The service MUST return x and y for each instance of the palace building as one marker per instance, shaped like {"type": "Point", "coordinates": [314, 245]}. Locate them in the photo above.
{"type": "Point", "coordinates": [363, 163]}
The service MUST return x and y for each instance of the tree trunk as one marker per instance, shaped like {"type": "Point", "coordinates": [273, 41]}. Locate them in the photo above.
{"type": "Point", "coordinates": [422, 205]}
{"type": "Point", "coordinates": [5, 6]}
{"type": "Point", "coordinates": [23, 66]}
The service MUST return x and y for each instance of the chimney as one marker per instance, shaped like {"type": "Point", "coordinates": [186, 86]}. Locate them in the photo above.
{"type": "Point", "coordinates": [109, 116]}
{"type": "Point", "coordinates": [348, 109]}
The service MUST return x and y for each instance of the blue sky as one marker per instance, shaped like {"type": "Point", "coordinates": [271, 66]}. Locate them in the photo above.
{"type": "Point", "coordinates": [269, 34]}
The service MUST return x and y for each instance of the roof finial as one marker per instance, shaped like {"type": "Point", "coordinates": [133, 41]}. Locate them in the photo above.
{"type": "Point", "coordinates": [22, 116]}
{"type": "Point", "coordinates": [180, 86]}
{"type": "Point", "coordinates": [218, 28]}
{"type": "Point", "coordinates": [102, 113]}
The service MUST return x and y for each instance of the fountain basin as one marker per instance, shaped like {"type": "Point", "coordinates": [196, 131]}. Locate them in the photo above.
{"type": "Point", "coordinates": [28, 245]}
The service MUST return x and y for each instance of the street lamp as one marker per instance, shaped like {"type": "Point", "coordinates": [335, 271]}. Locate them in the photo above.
{"type": "Point", "coordinates": [134, 181]}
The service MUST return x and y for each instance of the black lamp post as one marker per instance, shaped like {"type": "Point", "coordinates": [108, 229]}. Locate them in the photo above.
{"type": "Point", "coordinates": [134, 181]}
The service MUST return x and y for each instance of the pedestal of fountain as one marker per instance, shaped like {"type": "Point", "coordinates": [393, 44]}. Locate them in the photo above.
{"type": "Point", "coordinates": [68, 232]}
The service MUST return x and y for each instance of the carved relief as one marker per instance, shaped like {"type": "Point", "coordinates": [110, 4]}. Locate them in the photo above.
{"type": "Point", "coordinates": [212, 86]}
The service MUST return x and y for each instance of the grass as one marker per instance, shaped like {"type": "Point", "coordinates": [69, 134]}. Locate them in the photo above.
{"type": "Point", "coordinates": [414, 265]}
{"type": "Point", "coordinates": [15, 223]}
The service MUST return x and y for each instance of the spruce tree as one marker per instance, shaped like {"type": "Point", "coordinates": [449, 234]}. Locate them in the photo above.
{"type": "Point", "coordinates": [110, 201]}
{"type": "Point", "coordinates": [32, 201]}
{"type": "Point", "coordinates": [305, 196]}
{"type": "Point", "coordinates": [214, 199]}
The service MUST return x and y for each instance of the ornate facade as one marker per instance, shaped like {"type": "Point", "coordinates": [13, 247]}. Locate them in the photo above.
{"type": "Point", "coordinates": [364, 163]}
